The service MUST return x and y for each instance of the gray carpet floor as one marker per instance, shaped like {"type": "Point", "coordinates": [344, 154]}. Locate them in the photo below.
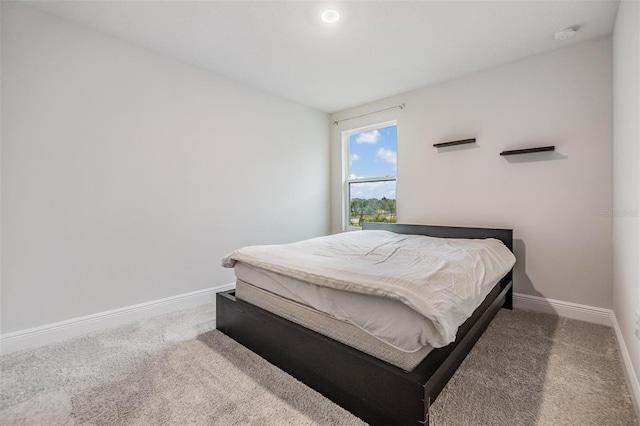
{"type": "Point", "coordinates": [527, 369]}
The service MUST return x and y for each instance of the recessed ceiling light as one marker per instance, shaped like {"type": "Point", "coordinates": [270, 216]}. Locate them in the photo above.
{"type": "Point", "coordinates": [566, 33]}
{"type": "Point", "coordinates": [330, 16]}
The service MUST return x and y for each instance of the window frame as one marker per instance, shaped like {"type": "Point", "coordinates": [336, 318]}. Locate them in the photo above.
{"type": "Point", "coordinates": [346, 169]}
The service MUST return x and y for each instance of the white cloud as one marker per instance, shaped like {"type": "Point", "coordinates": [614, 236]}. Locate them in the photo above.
{"type": "Point", "coordinates": [387, 156]}
{"type": "Point", "coordinates": [354, 157]}
{"type": "Point", "coordinates": [368, 137]}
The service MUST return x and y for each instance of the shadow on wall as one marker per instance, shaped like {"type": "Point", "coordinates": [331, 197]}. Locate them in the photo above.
{"type": "Point", "coordinates": [521, 281]}
{"type": "Point", "coordinates": [534, 157]}
{"type": "Point", "coordinates": [458, 148]}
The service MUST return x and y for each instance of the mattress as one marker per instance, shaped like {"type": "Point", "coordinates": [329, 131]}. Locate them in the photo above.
{"type": "Point", "coordinates": [443, 279]}
{"type": "Point", "coordinates": [324, 324]}
{"type": "Point", "coordinates": [387, 320]}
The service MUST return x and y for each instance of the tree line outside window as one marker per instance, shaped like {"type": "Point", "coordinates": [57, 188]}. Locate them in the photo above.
{"type": "Point", "coordinates": [372, 210]}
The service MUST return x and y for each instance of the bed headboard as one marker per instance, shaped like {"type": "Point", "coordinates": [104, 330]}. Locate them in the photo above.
{"type": "Point", "coordinates": [504, 235]}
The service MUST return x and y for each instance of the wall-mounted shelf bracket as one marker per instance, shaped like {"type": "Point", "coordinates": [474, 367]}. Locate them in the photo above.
{"type": "Point", "coordinates": [454, 143]}
{"type": "Point", "coordinates": [529, 150]}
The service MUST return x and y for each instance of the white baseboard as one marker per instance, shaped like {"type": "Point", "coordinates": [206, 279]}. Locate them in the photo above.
{"type": "Point", "coordinates": [55, 332]}
{"type": "Point", "coordinates": [563, 309]}
{"type": "Point", "coordinates": [584, 313]}
{"type": "Point", "coordinates": [634, 384]}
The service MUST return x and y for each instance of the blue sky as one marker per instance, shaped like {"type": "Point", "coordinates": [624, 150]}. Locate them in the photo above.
{"type": "Point", "coordinates": [373, 154]}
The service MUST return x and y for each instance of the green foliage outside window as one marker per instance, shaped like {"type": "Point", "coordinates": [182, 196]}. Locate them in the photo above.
{"type": "Point", "coordinates": [372, 210]}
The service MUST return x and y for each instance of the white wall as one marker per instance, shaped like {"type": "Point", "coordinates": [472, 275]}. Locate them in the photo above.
{"type": "Point", "coordinates": [557, 206]}
{"type": "Point", "coordinates": [126, 176]}
{"type": "Point", "coordinates": [626, 179]}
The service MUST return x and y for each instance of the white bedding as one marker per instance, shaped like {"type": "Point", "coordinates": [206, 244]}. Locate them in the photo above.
{"type": "Point", "coordinates": [443, 279]}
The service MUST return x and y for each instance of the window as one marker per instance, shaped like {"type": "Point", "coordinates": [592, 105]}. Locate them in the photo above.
{"type": "Point", "coordinates": [370, 159]}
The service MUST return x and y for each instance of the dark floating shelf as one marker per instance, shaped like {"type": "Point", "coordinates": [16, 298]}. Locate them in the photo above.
{"type": "Point", "coordinates": [454, 143]}
{"type": "Point", "coordinates": [529, 150]}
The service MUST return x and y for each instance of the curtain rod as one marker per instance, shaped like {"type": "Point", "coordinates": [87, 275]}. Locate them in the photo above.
{"type": "Point", "coordinates": [401, 106]}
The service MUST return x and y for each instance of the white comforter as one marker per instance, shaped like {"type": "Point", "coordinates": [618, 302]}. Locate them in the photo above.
{"type": "Point", "coordinates": [443, 279]}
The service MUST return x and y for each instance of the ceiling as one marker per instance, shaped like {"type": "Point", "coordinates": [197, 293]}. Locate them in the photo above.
{"type": "Point", "coordinates": [377, 48]}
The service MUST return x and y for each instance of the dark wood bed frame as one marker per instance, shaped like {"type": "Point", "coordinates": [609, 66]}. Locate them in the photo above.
{"type": "Point", "coordinates": [375, 391]}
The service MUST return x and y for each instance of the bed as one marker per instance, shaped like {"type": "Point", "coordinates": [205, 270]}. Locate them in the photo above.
{"type": "Point", "coordinates": [378, 390]}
